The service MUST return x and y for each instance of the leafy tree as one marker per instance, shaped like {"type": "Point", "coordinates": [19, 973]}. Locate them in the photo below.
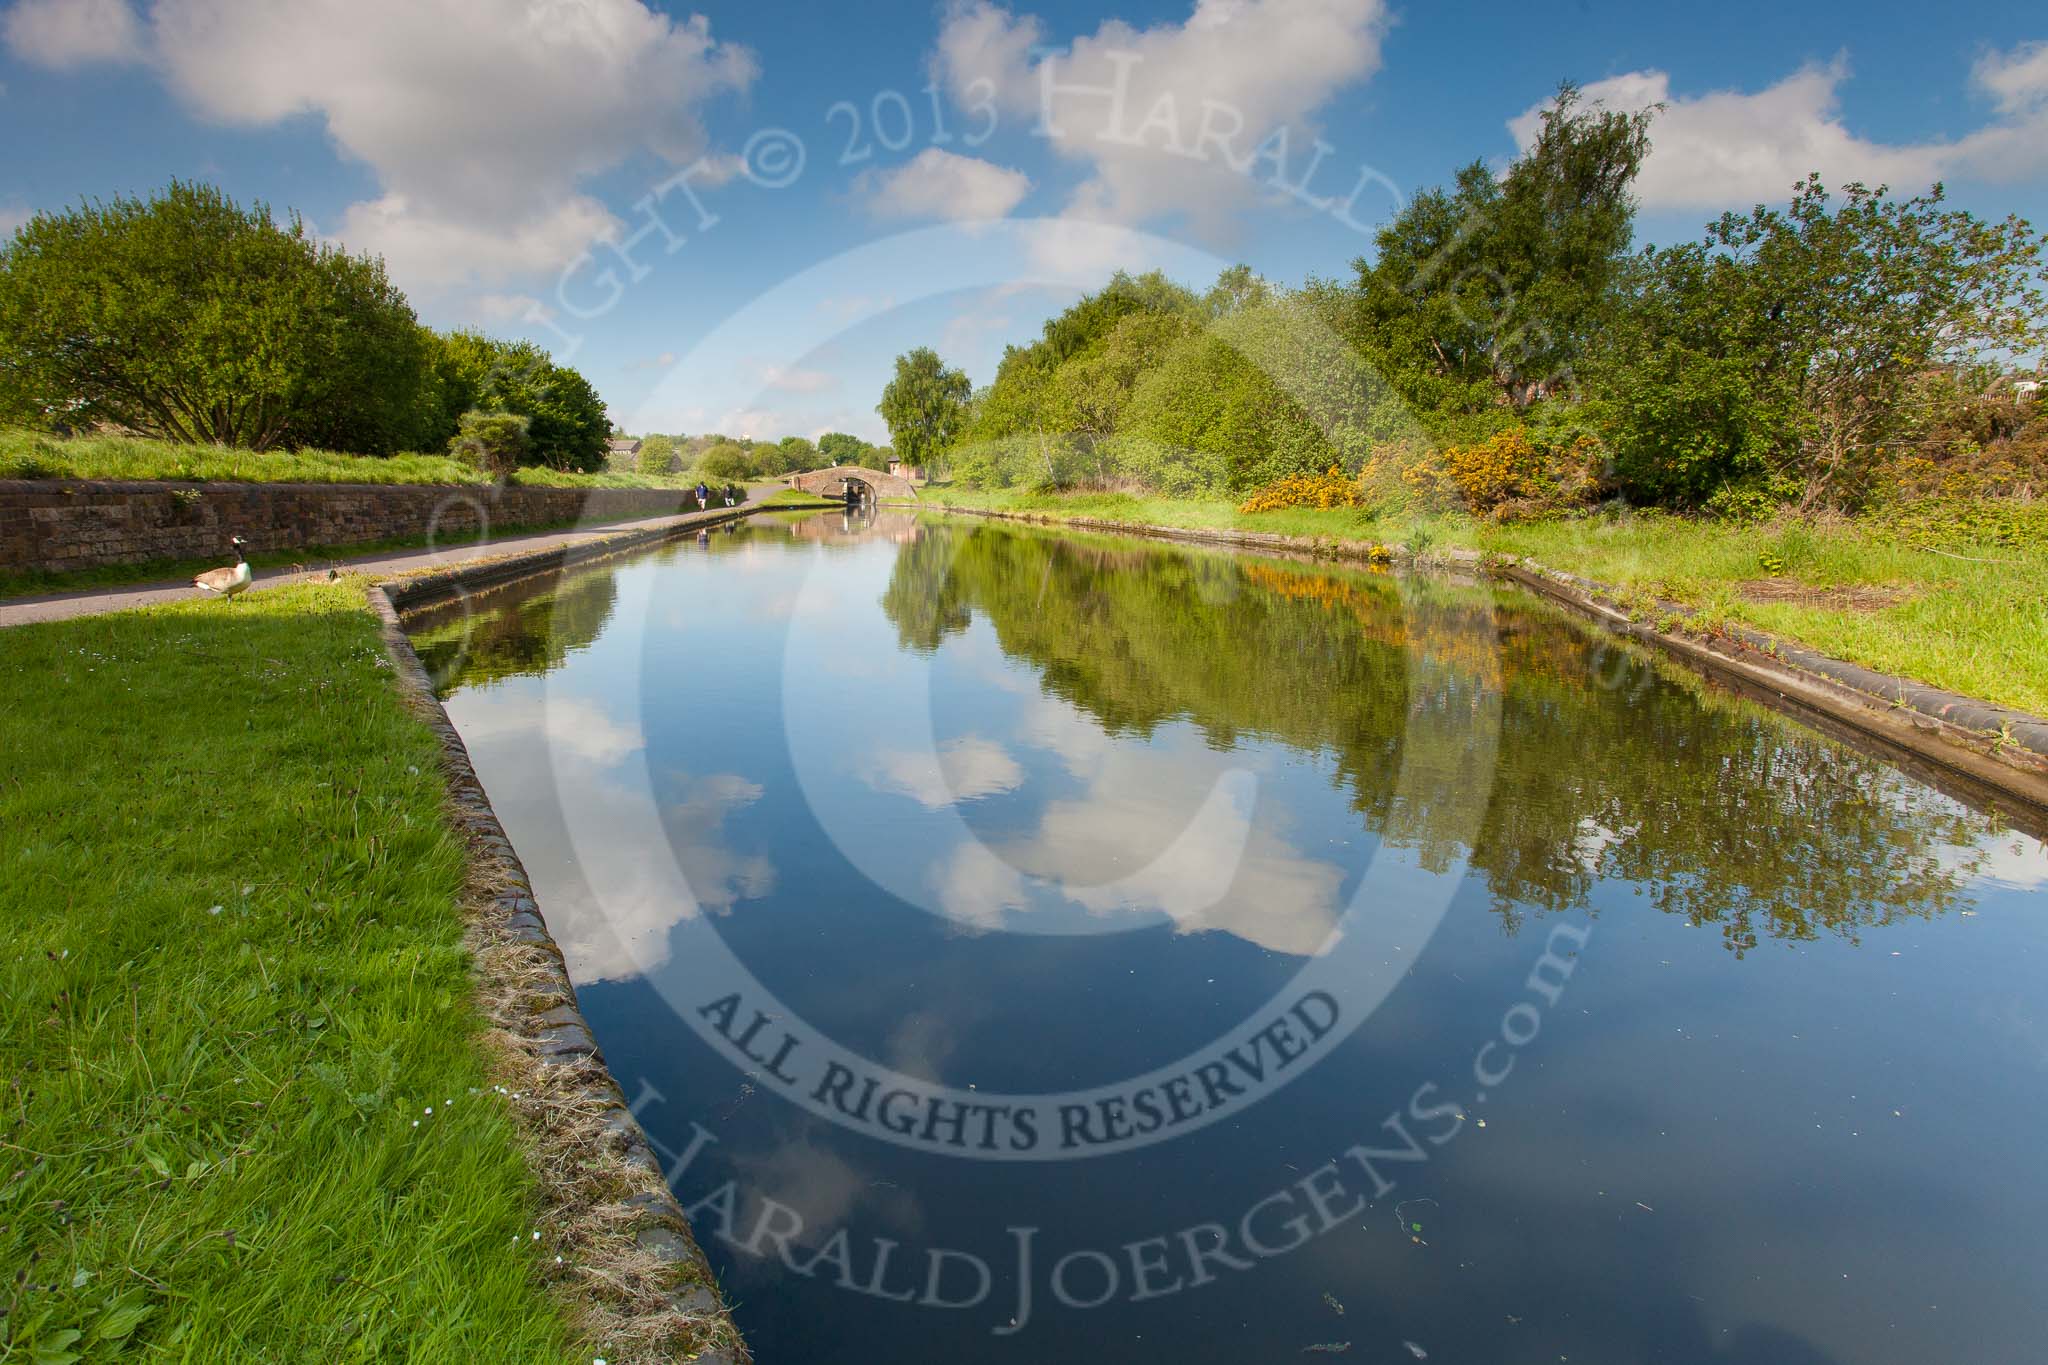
{"type": "Point", "coordinates": [1023, 401]}
{"type": "Point", "coordinates": [1269, 390]}
{"type": "Point", "coordinates": [494, 441]}
{"type": "Point", "coordinates": [567, 419]}
{"type": "Point", "coordinates": [657, 455]}
{"type": "Point", "coordinates": [727, 460]}
{"type": "Point", "coordinates": [794, 455]}
{"type": "Point", "coordinates": [839, 448]}
{"type": "Point", "coordinates": [1777, 353]}
{"type": "Point", "coordinates": [1492, 289]}
{"type": "Point", "coordinates": [1088, 394]}
{"type": "Point", "coordinates": [923, 406]}
{"type": "Point", "coordinates": [191, 318]}
{"type": "Point", "coordinates": [1237, 287]}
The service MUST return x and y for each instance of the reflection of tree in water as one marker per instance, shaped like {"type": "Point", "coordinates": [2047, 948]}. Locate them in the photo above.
{"type": "Point", "coordinates": [1718, 810]}
{"type": "Point", "coordinates": [527, 628]}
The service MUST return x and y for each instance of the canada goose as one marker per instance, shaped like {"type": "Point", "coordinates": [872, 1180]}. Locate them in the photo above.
{"type": "Point", "coordinates": [227, 582]}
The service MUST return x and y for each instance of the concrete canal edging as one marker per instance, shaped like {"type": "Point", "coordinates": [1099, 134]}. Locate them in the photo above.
{"type": "Point", "coordinates": [643, 1274]}
{"type": "Point", "coordinates": [1999, 753]}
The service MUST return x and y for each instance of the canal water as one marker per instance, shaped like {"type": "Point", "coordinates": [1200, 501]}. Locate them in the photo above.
{"type": "Point", "coordinates": [1031, 947]}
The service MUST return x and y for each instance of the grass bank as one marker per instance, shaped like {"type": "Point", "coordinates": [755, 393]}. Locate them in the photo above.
{"type": "Point", "coordinates": [33, 455]}
{"type": "Point", "coordinates": [248, 1116]}
{"type": "Point", "coordinates": [1972, 618]}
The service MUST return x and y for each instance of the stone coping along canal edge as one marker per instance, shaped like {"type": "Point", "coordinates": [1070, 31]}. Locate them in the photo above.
{"type": "Point", "coordinates": [639, 1280]}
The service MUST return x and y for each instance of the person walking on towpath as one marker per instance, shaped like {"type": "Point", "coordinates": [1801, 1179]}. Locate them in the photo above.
{"type": "Point", "coordinates": [703, 495]}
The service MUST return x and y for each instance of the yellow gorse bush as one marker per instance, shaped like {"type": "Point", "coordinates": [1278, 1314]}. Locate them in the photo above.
{"type": "Point", "coordinates": [1503, 477]}
{"type": "Point", "coordinates": [1332, 488]}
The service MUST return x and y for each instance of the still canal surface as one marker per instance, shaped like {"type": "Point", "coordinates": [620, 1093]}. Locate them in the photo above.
{"type": "Point", "coordinates": [1032, 947]}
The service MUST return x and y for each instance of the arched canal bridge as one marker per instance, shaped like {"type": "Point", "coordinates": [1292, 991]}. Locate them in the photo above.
{"type": "Point", "coordinates": [831, 483]}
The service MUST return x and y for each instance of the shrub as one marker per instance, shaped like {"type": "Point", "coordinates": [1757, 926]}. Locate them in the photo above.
{"type": "Point", "coordinates": [1332, 488]}
{"type": "Point", "coordinates": [496, 442]}
{"type": "Point", "coordinates": [1757, 498]}
{"type": "Point", "coordinates": [657, 456]}
{"type": "Point", "coordinates": [1506, 477]}
{"type": "Point", "coordinates": [191, 318]}
{"type": "Point", "coordinates": [727, 460]}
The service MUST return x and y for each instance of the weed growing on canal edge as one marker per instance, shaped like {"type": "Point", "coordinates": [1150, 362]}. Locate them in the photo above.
{"type": "Point", "coordinates": [245, 1114]}
{"type": "Point", "coordinates": [1973, 623]}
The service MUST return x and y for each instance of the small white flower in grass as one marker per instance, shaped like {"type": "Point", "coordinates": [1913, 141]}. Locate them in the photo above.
{"type": "Point", "coordinates": [415, 1123]}
{"type": "Point", "coordinates": [536, 1235]}
{"type": "Point", "coordinates": [430, 1109]}
{"type": "Point", "coordinates": [216, 909]}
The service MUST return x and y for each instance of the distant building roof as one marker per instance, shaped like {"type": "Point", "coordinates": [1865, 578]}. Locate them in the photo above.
{"type": "Point", "coordinates": [623, 445]}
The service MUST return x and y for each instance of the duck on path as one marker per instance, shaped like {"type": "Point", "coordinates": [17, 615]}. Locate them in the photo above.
{"type": "Point", "coordinates": [229, 581]}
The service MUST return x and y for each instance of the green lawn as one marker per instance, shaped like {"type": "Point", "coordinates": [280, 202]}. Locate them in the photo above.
{"type": "Point", "coordinates": [793, 497]}
{"type": "Point", "coordinates": [231, 989]}
{"type": "Point", "coordinates": [1972, 618]}
{"type": "Point", "coordinates": [31, 455]}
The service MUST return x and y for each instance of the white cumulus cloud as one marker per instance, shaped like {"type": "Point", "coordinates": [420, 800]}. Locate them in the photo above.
{"type": "Point", "coordinates": [2016, 81]}
{"type": "Point", "coordinates": [481, 120]}
{"type": "Point", "coordinates": [1171, 119]}
{"type": "Point", "coordinates": [944, 185]}
{"type": "Point", "coordinates": [1732, 148]}
{"type": "Point", "coordinates": [63, 34]}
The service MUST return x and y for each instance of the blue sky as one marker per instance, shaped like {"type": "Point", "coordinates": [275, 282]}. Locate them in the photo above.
{"type": "Point", "coordinates": [489, 149]}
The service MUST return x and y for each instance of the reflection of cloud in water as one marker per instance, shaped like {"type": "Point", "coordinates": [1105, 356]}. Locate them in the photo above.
{"type": "Point", "coordinates": [2015, 861]}
{"type": "Point", "coordinates": [1129, 846]}
{"type": "Point", "coordinates": [627, 932]}
{"type": "Point", "coordinates": [570, 726]}
{"type": "Point", "coordinates": [526, 743]}
{"type": "Point", "coordinates": [960, 770]}
{"type": "Point", "coordinates": [920, 1043]}
{"type": "Point", "coordinates": [823, 1187]}
{"type": "Point", "coordinates": [976, 887]}
{"type": "Point", "coordinates": [1060, 728]}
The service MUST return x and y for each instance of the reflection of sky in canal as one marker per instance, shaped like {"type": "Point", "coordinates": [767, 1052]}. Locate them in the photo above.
{"type": "Point", "coordinates": [985, 846]}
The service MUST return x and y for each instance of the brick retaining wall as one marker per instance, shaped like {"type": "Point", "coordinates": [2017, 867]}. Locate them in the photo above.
{"type": "Point", "coordinates": [56, 525]}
